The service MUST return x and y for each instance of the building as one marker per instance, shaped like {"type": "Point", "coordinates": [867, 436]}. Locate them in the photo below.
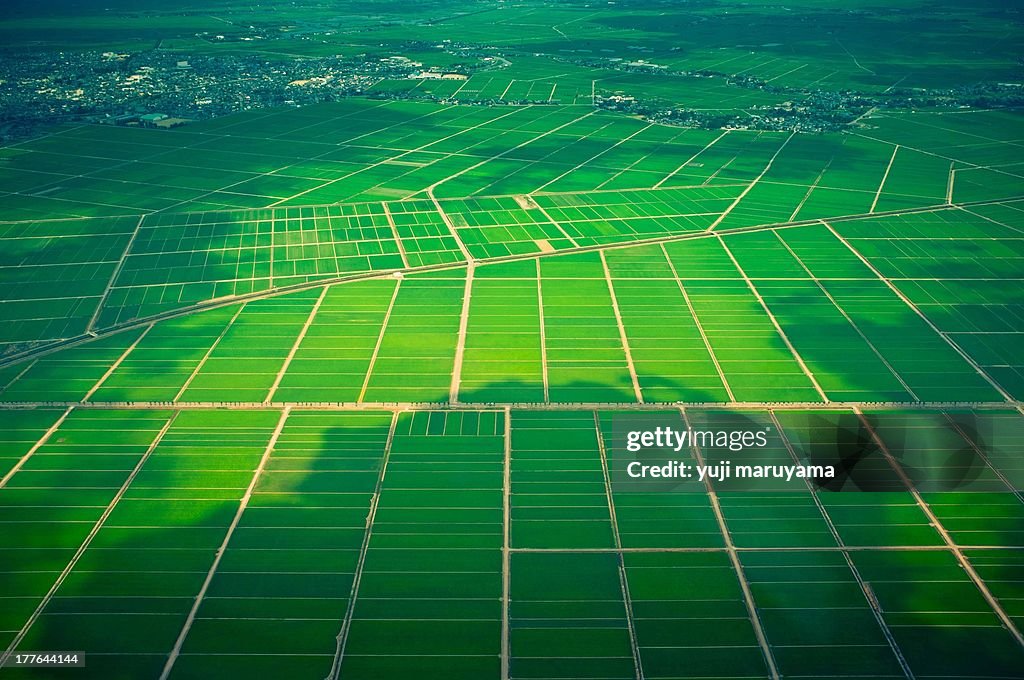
{"type": "Point", "coordinates": [152, 118]}
{"type": "Point", "coordinates": [171, 122]}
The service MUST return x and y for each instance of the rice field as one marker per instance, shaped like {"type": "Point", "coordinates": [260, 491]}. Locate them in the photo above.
{"type": "Point", "coordinates": [335, 392]}
{"type": "Point", "coordinates": [484, 539]}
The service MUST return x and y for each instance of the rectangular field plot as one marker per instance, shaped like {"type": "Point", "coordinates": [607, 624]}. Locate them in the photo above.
{"type": "Point", "coordinates": [814, 177]}
{"type": "Point", "coordinates": [568, 617]}
{"type": "Point", "coordinates": [666, 342]}
{"type": "Point", "coordinates": [762, 513]}
{"type": "Point", "coordinates": [585, 355]}
{"type": "Point", "coordinates": [559, 492]}
{"type": "Point", "coordinates": [915, 179]}
{"type": "Point", "coordinates": [674, 516]}
{"type": "Point", "coordinates": [870, 363]}
{"type": "Point", "coordinates": [416, 356]}
{"type": "Point", "coordinates": [244, 364]}
{"type": "Point", "coordinates": [283, 586]}
{"type": "Point", "coordinates": [54, 273]}
{"type": "Point", "coordinates": [503, 359]}
{"type": "Point", "coordinates": [690, 618]}
{"type": "Point", "coordinates": [334, 357]}
{"type": "Point", "coordinates": [432, 571]}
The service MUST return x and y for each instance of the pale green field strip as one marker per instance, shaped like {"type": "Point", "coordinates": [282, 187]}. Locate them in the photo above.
{"type": "Point", "coordinates": [164, 360]}
{"type": "Point", "coordinates": [585, 356]}
{"type": "Point", "coordinates": [335, 355]}
{"type": "Point", "coordinates": [247, 359]}
{"type": "Point", "coordinates": [503, 355]}
{"type": "Point", "coordinates": [417, 354]}
{"type": "Point", "coordinates": [672, 360]}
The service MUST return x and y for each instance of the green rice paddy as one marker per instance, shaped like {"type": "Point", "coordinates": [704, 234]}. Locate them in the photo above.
{"type": "Point", "coordinates": [330, 391]}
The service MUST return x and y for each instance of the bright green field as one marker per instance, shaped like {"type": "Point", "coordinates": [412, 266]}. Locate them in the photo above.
{"type": "Point", "coordinates": [336, 391]}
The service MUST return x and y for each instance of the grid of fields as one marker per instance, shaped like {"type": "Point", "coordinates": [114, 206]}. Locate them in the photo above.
{"type": "Point", "coordinates": [360, 150]}
{"type": "Point", "coordinates": [176, 260]}
{"type": "Point", "coordinates": [881, 310]}
{"type": "Point", "coordinates": [197, 214]}
{"type": "Point", "coordinates": [335, 391]}
{"type": "Point", "coordinates": [499, 542]}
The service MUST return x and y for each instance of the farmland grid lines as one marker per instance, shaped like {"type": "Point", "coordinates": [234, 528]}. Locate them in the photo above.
{"type": "Point", "coordinates": [344, 384]}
